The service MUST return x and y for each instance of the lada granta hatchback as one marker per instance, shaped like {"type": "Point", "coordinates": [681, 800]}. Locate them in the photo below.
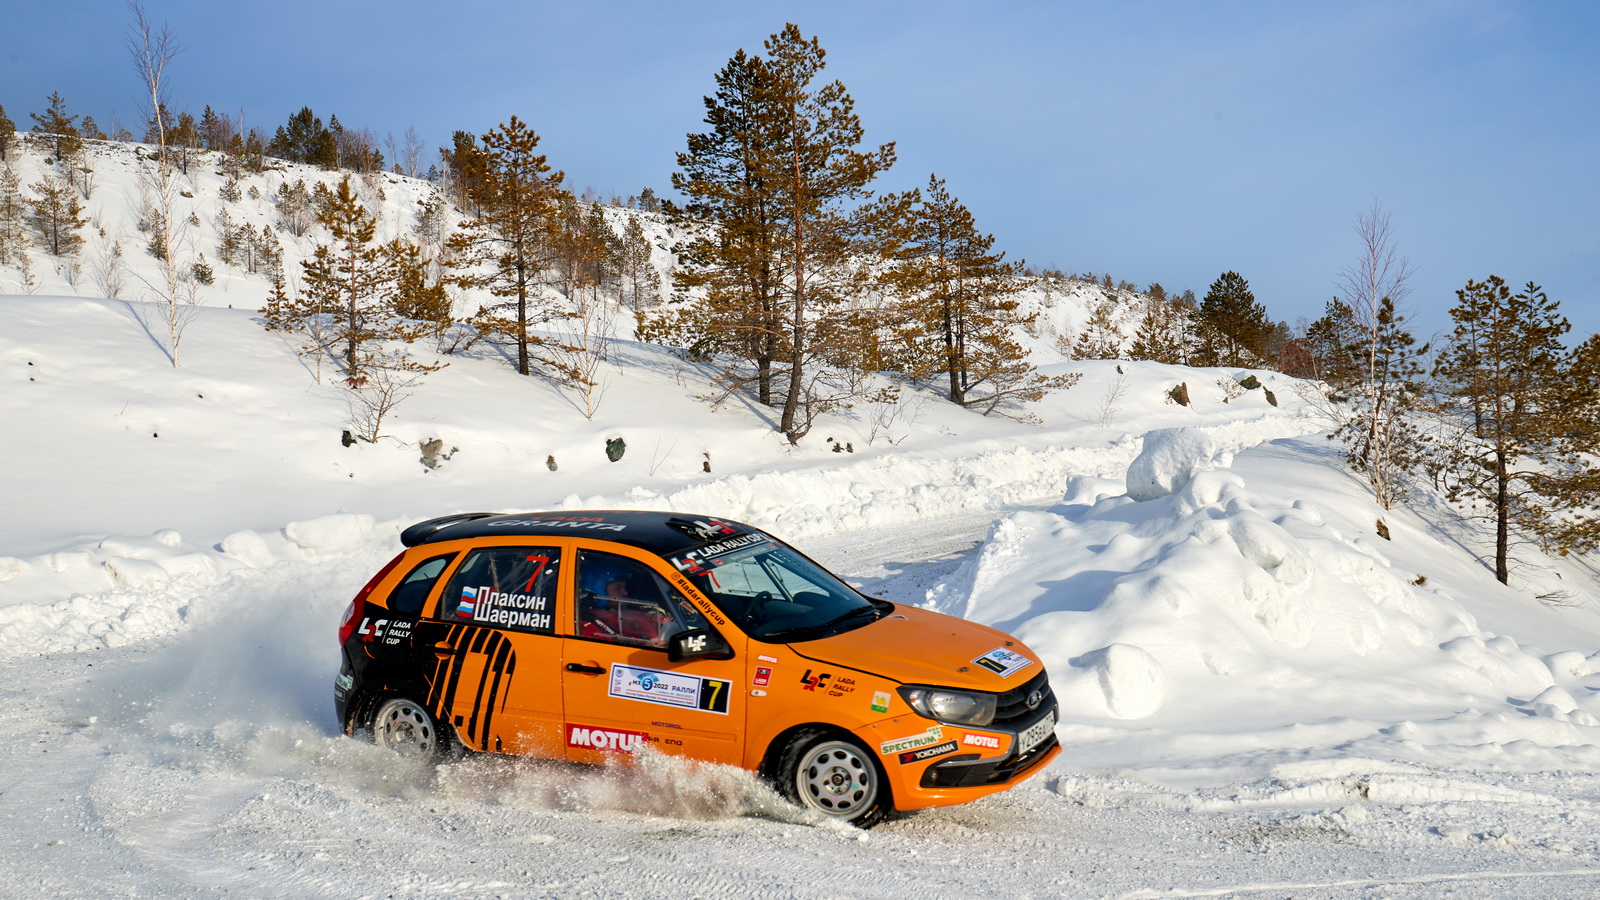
{"type": "Point", "coordinates": [593, 636]}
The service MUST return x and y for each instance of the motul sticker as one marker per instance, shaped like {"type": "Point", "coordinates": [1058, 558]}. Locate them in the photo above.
{"type": "Point", "coordinates": [612, 741]}
{"type": "Point", "coordinates": [986, 741]}
{"type": "Point", "coordinates": [932, 736]}
{"type": "Point", "coordinates": [926, 753]}
{"type": "Point", "coordinates": [1003, 662]}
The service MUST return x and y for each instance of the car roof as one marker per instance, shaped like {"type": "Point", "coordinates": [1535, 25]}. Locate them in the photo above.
{"type": "Point", "coordinates": [662, 533]}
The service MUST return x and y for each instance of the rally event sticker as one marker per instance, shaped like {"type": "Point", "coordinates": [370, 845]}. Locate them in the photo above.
{"type": "Point", "coordinates": [669, 688]}
{"type": "Point", "coordinates": [1003, 662]}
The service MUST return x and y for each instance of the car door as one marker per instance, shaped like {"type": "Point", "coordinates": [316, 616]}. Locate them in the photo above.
{"type": "Point", "coordinates": [497, 670]}
{"type": "Point", "coordinates": [621, 692]}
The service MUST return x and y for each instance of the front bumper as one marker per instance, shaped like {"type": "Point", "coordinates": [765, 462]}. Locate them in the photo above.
{"type": "Point", "coordinates": [956, 764]}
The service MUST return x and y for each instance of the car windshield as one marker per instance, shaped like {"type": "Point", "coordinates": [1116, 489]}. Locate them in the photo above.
{"type": "Point", "coordinates": [774, 593]}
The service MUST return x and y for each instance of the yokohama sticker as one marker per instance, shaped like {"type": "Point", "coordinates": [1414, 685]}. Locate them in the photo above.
{"type": "Point", "coordinates": [669, 688]}
{"type": "Point", "coordinates": [592, 738]}
{"type": "Point", "coordinates": [911, 756]}
{"type": "Point", "coordinates": [1003, 662]}
{"type": "Point", "coordinates": [928, 738]}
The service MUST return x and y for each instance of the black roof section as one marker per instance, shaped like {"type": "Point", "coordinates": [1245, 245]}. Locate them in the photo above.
{"type": "Point", "coordinates": [662, 533]}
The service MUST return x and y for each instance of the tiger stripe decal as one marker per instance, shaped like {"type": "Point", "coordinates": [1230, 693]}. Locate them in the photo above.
{"type": "Point", "coordinates": [499, 662]}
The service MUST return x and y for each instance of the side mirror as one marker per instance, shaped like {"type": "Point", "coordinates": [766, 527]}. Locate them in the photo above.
{"type": "Point", "coordinates": [697, 643]}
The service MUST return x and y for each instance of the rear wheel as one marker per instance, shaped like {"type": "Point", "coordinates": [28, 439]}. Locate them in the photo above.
{"type": "Point", "coordinates": [406, 727]}
{"type": "Point", "coordinates": [835, 776]}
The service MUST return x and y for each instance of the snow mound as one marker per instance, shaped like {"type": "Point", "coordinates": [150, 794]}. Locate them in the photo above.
{"type": "Point", "coordinates": [1211, 603]}
{"type": "Point", "coordinates": [1170, 458]}
{"type": "Point", "coordinates": [1130, 680]}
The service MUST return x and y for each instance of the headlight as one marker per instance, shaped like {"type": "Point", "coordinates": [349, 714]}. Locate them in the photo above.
{"type": "Point", "coordinates": [955, 707]}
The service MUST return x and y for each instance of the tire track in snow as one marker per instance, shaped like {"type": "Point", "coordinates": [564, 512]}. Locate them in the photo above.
{"type": "Point", "coordinates": [1440, 879]}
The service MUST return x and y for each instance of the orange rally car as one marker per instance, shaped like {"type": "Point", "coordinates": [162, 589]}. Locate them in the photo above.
{"type": "Point", "coordinates": [590, 636]}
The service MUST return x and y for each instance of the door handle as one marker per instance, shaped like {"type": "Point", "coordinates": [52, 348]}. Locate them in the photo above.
{"type": "Point", "coordinates": [587, 670]}
{"type": "Point", "coordinates": [443, 649]}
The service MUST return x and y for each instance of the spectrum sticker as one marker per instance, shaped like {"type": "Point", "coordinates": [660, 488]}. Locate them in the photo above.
{"type": "Point", "coordinates": [928, 738]}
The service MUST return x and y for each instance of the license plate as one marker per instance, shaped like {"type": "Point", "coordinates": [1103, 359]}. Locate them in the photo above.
{"type": "Point", "coordinates": [1035, 734]}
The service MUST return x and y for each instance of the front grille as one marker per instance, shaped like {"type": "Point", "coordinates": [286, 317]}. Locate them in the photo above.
{"type": "Point", "coordinates": [1012, 706]}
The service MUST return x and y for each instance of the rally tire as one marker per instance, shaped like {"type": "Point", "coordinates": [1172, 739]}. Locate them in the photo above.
{"type": "Point", "coordinates": [834, 775]}
{"type": "Point", "coordinates": [406, 727]}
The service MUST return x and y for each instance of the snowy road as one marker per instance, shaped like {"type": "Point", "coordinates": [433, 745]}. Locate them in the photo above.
{"type": "Point", "coordinates": [207, 765]}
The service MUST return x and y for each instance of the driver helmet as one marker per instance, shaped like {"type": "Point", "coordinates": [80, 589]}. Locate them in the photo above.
{"type": "Point", "coordinates": [596, 574]}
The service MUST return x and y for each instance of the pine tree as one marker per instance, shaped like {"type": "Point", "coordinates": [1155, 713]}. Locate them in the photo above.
{"type": "Point", "coordinates": [348, 305]}
{"type": "Point", "coordinates": [1166, 332]}
{"type": "Point", "coordinates": [212, 135]}
{"type": "Point", "coordinates": [305, 139]}
{"type": "Point", "coordinates": [640, 282]}
{"type": "Point", "coordinates": [8, 132]}
{"type": "Point", "coordinates": [184, 140]}
{"type": "Point", "coordinates": [1334, 342]}
{"type": "Point", "coordinates": [13, 216]}
{"type": "Point", "coordinates": [961, 308]}
{"type": "Point", "coordinates": [1236, 327]}
{"type": "Point", "coordinates": [519, 201]}
{"type": "Point", "coordinates": [730, 259]}
{"type": "Point", "coordinates": [1100, 338]}
{"type": "Point", "coordinates": [57, 215]}
{"type": "Point", "coordinates": [465, 167]}
{"type": "Point", "coordinates": [788, 220]}
{"type": "Point", "coordinates": [416, 296]}
{"type": "Point", "coordinates": [60, 128]}
{"type": "Point", "coordinates": [266, 254]}
{"type": "Point", "coordinates": [1530, 410]}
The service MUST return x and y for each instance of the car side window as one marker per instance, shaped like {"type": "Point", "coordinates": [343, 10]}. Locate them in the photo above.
{"type": "Point", "coordinates": [507, 587]}
{"type": "Point", "coordinates": [623, 601]}
{"type": "Point", "coordinates": [411, 593]}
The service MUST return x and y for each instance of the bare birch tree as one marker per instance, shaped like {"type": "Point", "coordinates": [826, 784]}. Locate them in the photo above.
{"type": "Point", "coordinates": [1381, 376]}
{"type": "Point", "coordinates": [152, 51]}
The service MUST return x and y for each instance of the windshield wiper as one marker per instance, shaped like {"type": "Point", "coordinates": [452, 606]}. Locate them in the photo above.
{"type": "Point", "coordinates": [840, 619]}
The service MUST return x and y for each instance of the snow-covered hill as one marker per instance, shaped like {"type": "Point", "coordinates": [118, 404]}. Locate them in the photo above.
{"type": "Point", "coordinates": [114, 261]}
{"type": "Point", "coordinates": [1260, 695]}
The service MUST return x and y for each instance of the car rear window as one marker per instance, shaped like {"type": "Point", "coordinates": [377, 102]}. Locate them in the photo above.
{"type": "Point", "coordinates": [413, 591]}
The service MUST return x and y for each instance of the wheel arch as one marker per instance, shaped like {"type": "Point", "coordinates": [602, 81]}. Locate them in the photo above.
{"type": "Point", "coordinates": [774, 751]}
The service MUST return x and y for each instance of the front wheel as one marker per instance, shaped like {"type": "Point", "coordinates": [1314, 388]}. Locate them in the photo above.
{"type": "Point", "coordinates": [835, 776]}
{"type": "Point", "coordinates": [406, 727]}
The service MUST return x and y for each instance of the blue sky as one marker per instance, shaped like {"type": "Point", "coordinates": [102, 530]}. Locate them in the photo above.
{"type": "Point", "coordinates": [1156, 141]}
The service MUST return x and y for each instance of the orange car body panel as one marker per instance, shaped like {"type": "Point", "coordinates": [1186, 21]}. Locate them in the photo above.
{"type": "Point", "coordinates": [562, 696]}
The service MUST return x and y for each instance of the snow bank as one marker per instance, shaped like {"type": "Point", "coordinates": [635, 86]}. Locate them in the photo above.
{"type": "Point", "coordinates": [120, 590]}
{"type": "Point", "coordinates": [126, 590]}
{"type": "Point", "coordinates": [1208, 605]}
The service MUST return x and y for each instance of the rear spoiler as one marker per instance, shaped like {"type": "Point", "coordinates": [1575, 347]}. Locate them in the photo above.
{"type": "Point", "coordinates": [422, 532]}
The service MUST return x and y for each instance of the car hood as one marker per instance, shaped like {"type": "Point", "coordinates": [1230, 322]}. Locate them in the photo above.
{"type": "Point", "coordinates": [917, 646]}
